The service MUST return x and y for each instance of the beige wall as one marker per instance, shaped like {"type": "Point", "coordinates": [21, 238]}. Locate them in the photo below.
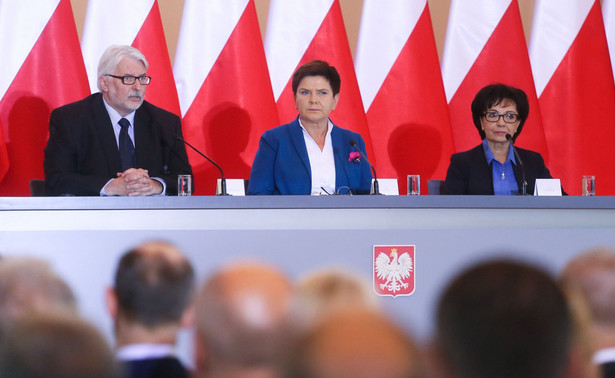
{"type": "Point", "coordinates": [171, 11]}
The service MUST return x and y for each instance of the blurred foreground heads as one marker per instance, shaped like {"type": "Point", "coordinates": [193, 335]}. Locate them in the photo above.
{"type": "Point", "coordinates": [242, 318]}
{"type": "Point", "coordinates": [55, 345]}
{"type": "Point", "coordinates": [504, 319]}
{"type": "Point", "coordinates": [356, 343]}
{"type": "Point", "coordinates": [592, 276]}
{"type": "Point", "coordinates": [29, 285]}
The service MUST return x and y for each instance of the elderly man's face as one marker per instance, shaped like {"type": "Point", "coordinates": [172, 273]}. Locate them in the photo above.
{"type": "Point", "coordinates": [121, 97]}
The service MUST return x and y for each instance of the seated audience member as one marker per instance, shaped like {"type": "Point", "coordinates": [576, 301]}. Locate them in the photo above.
{"type": "Point", "coordinates": [503, 319]}
{"type": "Point", "coordinates": [592, 274]}
{"type": "Point", "coordinates": [29, 285]}
{"type": "Point", "coordinates": [327, 291]}
{"type": "Point", "coordinates": [499, 112]}
{"type": "Point", "coordinates": [55, 345]}
{"type": "Point", "coordinates": [149, 303]}
{"type": "Point", "coordinates": [311, 155]}
{"type": "Point", "coordinates": [242, 319]}
{"type": "Point", "coordinates": [113, 143]}
{"type": "Point", "coordinates": [356, 343]}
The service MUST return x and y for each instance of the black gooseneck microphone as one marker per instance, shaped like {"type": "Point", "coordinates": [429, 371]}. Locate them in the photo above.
{"type": "Point", "coordinates": [376, 188]}
{"type": "Point", "coordinates": [523, 182]}
{"type": "Point", "coordinates": [223, 180]}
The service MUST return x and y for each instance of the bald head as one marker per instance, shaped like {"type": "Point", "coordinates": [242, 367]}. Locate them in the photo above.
{"type": "Point", "coordinates": [30, 285]}
{"type": "Point", "coordinates": [242, 315]}
{"type": "Point", "coordinates": [593, 275]}
{"type": "Point", "coordinates": [355, 343]}
{"type": "Point", "coordinates": [153, 284]}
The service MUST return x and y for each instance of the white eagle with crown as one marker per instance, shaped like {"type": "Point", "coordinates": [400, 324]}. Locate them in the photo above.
{"type": "Point", "coordinates": [394, 270]}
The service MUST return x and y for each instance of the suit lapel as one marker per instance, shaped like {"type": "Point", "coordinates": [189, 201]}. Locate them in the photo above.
{"type": "Point", "coordinates": [104, 129]}
{"type": "Point", "coordinates": [144, 137]}
{"type": "Point", "coordinates": [341, 169]}
{"type": "Point", "coordinates": [296, 135]}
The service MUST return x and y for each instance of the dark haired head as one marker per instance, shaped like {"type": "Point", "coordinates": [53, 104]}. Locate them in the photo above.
{"type": "Point", "coordinates": [504, 319]}
{"type": "Point", "coordinates": [318, 68]}
{"type": "Point", "coordinates": [153, 284]}
{"type": "Point", "coordinates": [499, 94]}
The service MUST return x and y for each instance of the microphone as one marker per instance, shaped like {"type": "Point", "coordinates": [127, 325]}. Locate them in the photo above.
{"type": "Point", "coordinates": [523, 182]}
{"type": "Point", "coordinates": [223, 180]}
{"type": "Point", "coordinates": [376, 188]}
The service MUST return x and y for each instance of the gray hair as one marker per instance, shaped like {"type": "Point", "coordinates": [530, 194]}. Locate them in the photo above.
{"type": "Point", "coordinates": [113, 55]}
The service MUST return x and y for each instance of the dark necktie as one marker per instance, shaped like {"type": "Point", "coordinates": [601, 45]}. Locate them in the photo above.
{"type": "Point", "coordinates": [127, 149]}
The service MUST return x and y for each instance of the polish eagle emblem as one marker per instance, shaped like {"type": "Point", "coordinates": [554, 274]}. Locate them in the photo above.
{"type": "Point", "coordinates": [392, 270]}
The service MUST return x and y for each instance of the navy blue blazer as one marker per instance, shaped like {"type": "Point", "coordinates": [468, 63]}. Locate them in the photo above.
{"type": "Point", "coordinates": [82, 154]}
{"type": "Point", "coordinates": [282, 165]}
{"type": "Point", "coordinates": [164, 367]}
{"type": "Point", "coordinates": [469, 172]}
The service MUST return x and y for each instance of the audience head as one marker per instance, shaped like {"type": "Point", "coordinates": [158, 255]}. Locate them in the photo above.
{"type": "Point", "coordinates": [593, 274]}
{"type": "Point", "coordinates": [153, 286]}
{"type": "Point", "coordinates": [499, 94]}
{"type": "Point", "coordinates": [242, 317]}
{"type": "Point", "coordinates": [504, 319]}
{"type": "Point", "coordinates": [317, 68]}
{"type": "Point", "coordinates": [326, 291]}
{"type": "Point", "coordinates": [354, 343]}
{"type": "Point", "coordinates": [55, 345]}
{"type": "Point", "coordinates": [29, 285]}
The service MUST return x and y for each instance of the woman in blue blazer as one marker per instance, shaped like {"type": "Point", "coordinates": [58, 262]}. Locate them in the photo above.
{"type": "Point", "coordinates": [311, 155]}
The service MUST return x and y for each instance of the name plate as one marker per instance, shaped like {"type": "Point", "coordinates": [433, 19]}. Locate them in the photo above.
{"type": "Point", "coordinates": [548, 187]}
{"type": "Point", "coordinates": [234, 187]}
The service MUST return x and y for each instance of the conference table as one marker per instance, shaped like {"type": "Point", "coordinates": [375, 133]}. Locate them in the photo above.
{"type": "Point", "coordinates": [83, 237]}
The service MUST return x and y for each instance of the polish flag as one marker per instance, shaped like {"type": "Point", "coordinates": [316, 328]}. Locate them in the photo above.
{"type": "Point", "coordinates": [136, 23]}
{"type": "Point", "coordinates": [300, 31]}
{"type": "Point", "coordinates": [574, 82]}
{"type": "Point", "coordinates": [484, 45]}
{"type": "Point", "coordinates": [401, 85]}
{"type": "Point", "coordinates": [224, 89]}
{"type": "Point", "coordinates": [608, 11]}
{"type": "Point", "coordinates": [41, 68]}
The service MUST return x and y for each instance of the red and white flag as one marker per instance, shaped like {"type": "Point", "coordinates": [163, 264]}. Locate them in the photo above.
{"type": "Point", "coordinates": [136, 23]}
{"type": "Point", "coordinates": [608, 13]}
{"type": "Point", "coordinates": [401, 85]}
{"type": "Point", "coordinates": [300, 31]}
{"type": "Point", "coordinates": [484, 45]}
{"type": "Point", "coordinates": [36, 76]}
{"type": "Point", "coordinates": [224, 88]}
{"type": "Point", "coordinates": [574, 82]}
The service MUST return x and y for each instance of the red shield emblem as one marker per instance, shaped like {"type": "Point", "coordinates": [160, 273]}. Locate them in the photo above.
{"type": "Point", "coordinates": [394, 269]}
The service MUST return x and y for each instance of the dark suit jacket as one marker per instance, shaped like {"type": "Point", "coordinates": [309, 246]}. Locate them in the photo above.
{"type": "Point", "coordinates": [469, 172]}
{"type": "Point", "coordinates": [282, 165]}
{"type": "Point", "coordinates": [82, 153]}
{"type": "Point", "coordinates": [608, 369]}
{"type": "Point", "coordinates": [167, 367]}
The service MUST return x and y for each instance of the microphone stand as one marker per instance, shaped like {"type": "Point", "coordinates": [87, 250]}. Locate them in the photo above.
{"type": "Point", "coordinates": [376, 187]}
{"type": "Point", "coordinates": [524, 181]}
{"type": "Point", "coordinates": [223, 180]}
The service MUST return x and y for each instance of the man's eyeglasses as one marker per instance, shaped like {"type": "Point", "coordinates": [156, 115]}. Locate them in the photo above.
{"type": "Point", "coordinates": [130, 80]}
{"type": "Point", "coordinates": [495, 116]}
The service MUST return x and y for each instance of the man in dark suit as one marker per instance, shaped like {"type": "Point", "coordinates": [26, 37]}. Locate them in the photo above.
{"type": "Point", "coordinates": [149, 303]}
{"type": "Point", "coordinates": [113, 142]}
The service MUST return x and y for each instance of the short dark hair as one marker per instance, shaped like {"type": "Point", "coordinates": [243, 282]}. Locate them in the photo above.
{"type": "Point", "coordinates": [495, 94]}
{"type": "Point", "coordinates": [318, 68]}
{"type": "Point", "coordinates": [152, 289]}
{"type": "Point", "coordinates": [504, 319]}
